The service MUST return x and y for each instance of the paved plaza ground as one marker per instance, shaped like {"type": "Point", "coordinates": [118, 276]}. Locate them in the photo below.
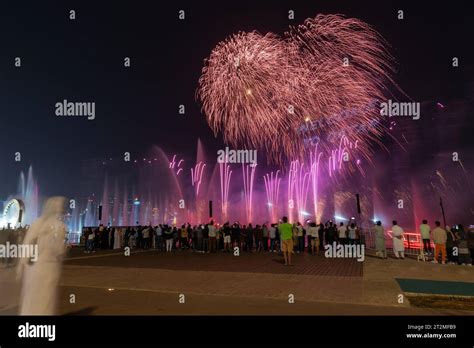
{"type": "Point", "coordinates": [151, 282]}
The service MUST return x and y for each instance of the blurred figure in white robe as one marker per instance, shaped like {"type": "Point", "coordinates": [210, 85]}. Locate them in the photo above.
{"type": "Point", "coordinates": [40, 279]}
{"type": "Point", "coordinates": [118, 238]}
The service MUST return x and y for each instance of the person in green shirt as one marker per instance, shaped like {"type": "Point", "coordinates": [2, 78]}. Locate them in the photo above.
{"type": "Point", "coordinates": [286, 233]}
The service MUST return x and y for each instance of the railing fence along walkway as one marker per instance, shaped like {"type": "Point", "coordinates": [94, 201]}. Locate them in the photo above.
{"type": "Point", "coordinates": [412, 241]}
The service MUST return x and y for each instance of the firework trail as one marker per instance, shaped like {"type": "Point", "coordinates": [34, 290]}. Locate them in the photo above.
{"type": "Point", "coordinates": [196, 176]}
{"type": "Point", "coordinates": [225, 175]}
{"type": "Point", "coordinates": [176, 165]}
{"type": "Point", "coordinates": [290, 188]}
{"type": "Point", "coordinates": [342, 154]}
{"type": "Point", "coordinates": [299, 179]}
{"type": "Point", "coordinates": [248, 175]}
{"type": "Point", "coordinates": [315, 158]}
{"type": "Point", "coordinates": [272, 188]}
{"type": "Point", "coordinates": [261, 90]}
{"type": "Point", "coordinates": [125, 207]}
{"type": "Point", "coordinates": [466, 175]}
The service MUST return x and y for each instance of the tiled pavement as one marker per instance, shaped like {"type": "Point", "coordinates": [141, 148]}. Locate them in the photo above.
{"type": "Point", "coordinates": [315, 278]}
{"type": "Point", "coordinates": [263, 262]}
{"type": "Point", "coordinates": [250, 275]}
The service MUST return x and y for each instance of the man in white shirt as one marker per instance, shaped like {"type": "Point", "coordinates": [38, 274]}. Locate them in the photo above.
{"type": "Point", "coordinates": [159, 238]}
{"type": "Point", "coordinates": [425, 236]}
{"type": "Point", "coordinates": [90, 242]}
{"type": "Point", "coordinates": [146, 237]}
{"type": "Point", "coordinates": [212, 237]}
{"type": "Point", "coordinates": [342, 233]}
{"type": "Point", "coordinates": [313, 232]}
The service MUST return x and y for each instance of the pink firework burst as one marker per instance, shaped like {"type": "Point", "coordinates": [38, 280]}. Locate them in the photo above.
{"type": "Point", "coordinates": [322, 80]}
{"type": "Point", "coordinates": [246, 89]}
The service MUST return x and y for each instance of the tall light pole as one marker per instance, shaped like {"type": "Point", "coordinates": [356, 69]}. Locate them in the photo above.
{"type": "Point", "coordinates": [442, 210]}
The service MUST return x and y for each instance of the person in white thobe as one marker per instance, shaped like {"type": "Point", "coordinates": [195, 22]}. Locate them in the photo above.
{"type": "Point", "coordinates": [40, 279]}
{"type": "Point", "coordinates": [398, 246]}
{"type": "Point", "coordinates": [118, 238]}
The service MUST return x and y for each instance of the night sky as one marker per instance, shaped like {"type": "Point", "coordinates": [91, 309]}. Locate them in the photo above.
{"type": "Point", "coordinates": [136, 107]}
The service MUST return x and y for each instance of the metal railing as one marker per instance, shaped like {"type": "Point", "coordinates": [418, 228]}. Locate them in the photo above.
{"type": "Point", "coordinates": [412, 241]}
